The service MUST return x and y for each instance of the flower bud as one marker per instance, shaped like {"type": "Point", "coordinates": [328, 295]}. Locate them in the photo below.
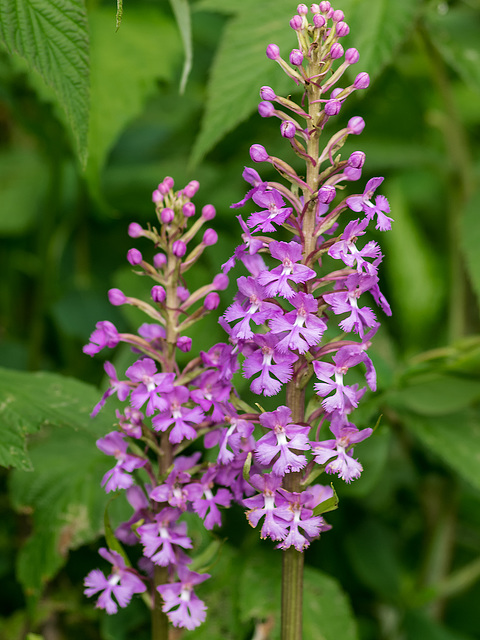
{"type": "Point", "coordinates": [296, 23]}
{"type": "Point", "coordinates": [158, 293]}
{"type": "Point", "coordinates": [338, 15]}
{"type": "Point", "coordinates": [188, 209]}
{"type": "Point", "coordinates": [210, 237]}
{"type": "Point", "coordinates": [220, 282]}
{"type": "Point", "coordinates": [356, 125]}
{"type": "Point", "coordinates": [266, 109]}
{"type": "Point", "coordinates": [326, 193]}
{"type": "Point", "coordinates": [319, 21]}
{"type": "Point", "coordinates": [325, 6]}
{"type": "Point", "coordinates": [336, 51]}
{"type": "Point", "coordinates": [163, 189]}
{"type": "Point", "coordinates": [362, 81]}
{"type": "Point", "coordinates": [135, 230]}
{"type": "Point", "coordinates": [352, 56]}
{"type": "Point", "coordinates": [288, 129]}
{"type": "Point", "coordinates": [356, 160]}
{"type": "Point", "coordinates": [179, 248]}
{"type": "Point", "coordinates": [273, 52]}
{"type": "Point", "coordinates": [168, 182]}
{"type": "Point", "coordinates": [258, 153]}
{"type": "Point", "coordinates": [212, 300]}
{"type": "Point", "coordinates": [183, 293]}
{"type": "Point", "coordinates": [342, 29]}
{"type": "Point", "coordinates": [116, 297]}
{"type": "Point", "coordinates": [191, 188]}
{"type": "Point", "coordinates": [314, 8]}
{"type": "Point", "coordinates": [159, 260]}
{"type": "Point", "coordinates": [332, 107]}
{"type": "Point", "coordinates": [296, 57]}
{"type": "Point", "coordinates": [352, 173]}
{"type": "Point", "coordinates": [267, 93]}
{"type": "Point", "coordinates": [208, 212]}
{"type": "Point", "coordinates": [157, 196]}
{"type": "Point", "coordinates": [302, 9]}
{"type": "Point", "coordinates": [184, 343]}
{"type": "Point", "coordinates": [134, 256]}
{"type": "Point", "coordinates": [167, 215]}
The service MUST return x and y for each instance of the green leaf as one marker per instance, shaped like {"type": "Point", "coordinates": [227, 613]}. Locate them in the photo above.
{"type": "Point", "coordinates": [181, 10]}
{"type": "Point", "coordinates": [455, 438]}
{"type": "Point", "coordinates": [419, 626]}
{"type": "Point", "coordinates": [31, 400]}
{"type": "Point", "coordinates": [454, 31]}
{"type": "Point", "coordinates": [470, 238]}
{"type": "Point", "coordinates": [241, 67]}
{"type": "Point", "coordinates": [52, 36]}
{"type": "Point", "coordinates": [126, 66]}
{"type": "Point", "coordinates": [327, 505]}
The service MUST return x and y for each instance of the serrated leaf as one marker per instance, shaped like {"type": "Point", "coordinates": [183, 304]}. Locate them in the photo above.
{"type": "Point", "coordinates": [52, 36]}
{"type": "Point", "coordinates": [31, 400]}
{"type": "Point", "coordinates": [470, 230]}
{"type": "Point", "coordinates": [126, 66]}
{"type": "Point", "coordinates": [454, 32]}
{"type": "Point", "coordinates": [181, 10]}
{"type": "Point", "coordinates": [241, 68]}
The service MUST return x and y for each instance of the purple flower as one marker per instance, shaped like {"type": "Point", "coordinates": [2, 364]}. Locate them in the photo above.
{"type": "Point", "coordinates": [113, 444]}
{"type": "Point", "coordinates": [249, 305]}
{"type": "Point", "coordinates": [345, 397]}
{"type": "Point", "coordinates": [212, 392]}
{"type": "Point", "coordinates": [144, 372]}
{"type": "Point", "coordinates": [183, 607]}
{"type": "Point", "coordinates": [263, 505]}
{"type": "Point", "coordinates": [275, 211]}
{"type": "Point", "coordinates": [250, 248]}
{"type": "Point", "coordinates": [122, 389]}
{"type": "Point", "coordinates": [231, 436]}
{"type": "Point", "coordinates": [347, 302]}
{"type": "Point", "coordinates": [121, 583]}
{"type": "Point", "coordinates": [289, 253]}
{"type": "Point", "coordinates": [177, 490]}
{"type": "Point", "coordinates": [335, 452]}
{"type": "Point", "coordinates": [345, 249]}
{"type": "Point", "coordinates": [283, 439]}
{"type": "Point", "coordinates": [182, 418]}
{"type": "Point", "coordinates": [380, 208]}
{"type": "Point", "coordinates": [162, 538]}
{"type": "Point", "coordinates": [304, 328]}
{"type": "Point", "coordinates": [263, 357]}
{"type": "Point", "coordinates": [105, 335]}
{"type": "Point", "coordinates": [206, 504]}
{"type": "Point", "coordinates": [251, 176]}
{"type": "Point", "coordinates": [130, 422]}
{"type": "Point", "coordinates": [301, 518]}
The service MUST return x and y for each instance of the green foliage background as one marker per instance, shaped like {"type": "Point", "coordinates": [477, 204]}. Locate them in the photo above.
{"type": "Point", "coordinates": [91, 119]}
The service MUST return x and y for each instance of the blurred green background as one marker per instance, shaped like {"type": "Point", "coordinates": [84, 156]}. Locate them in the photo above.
{"type": "Point", "coordinates": [91, 119]}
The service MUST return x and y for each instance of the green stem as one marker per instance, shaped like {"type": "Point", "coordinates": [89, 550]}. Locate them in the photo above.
{"type": "Point", "coordinates": [160, 624]}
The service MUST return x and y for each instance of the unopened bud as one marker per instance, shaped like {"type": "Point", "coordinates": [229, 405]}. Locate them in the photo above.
{"type": "Point", "coordinates": [302, 9]}
{"type": "Point", "coordinates": [220, 282]}
{"type": "Point", "coordinates": [167, 215]}
{"type": "Point", "coordinates": [356, 125]}
{"type": "Point", "coordinates": [336, 51]}
{"type": "Point", "coordinates": [326, 193]}
{"type": "Point", "coordinates": [212, 300]}
{"type": "Point", "coordinates": [352, 56]}
{"type": "Point", "coordinates": [135, 230]}
{"type": "Point", "coordinates": [332, 107]}
{"type": "Point", "coordinates": [191, 188]}
{"type": "Point", "coordinates": [183, 293]}
{"type": "Point", "coordinates": [157, 196]}
{"type": "Point", "coordinates": [342, 29]}
{"type": "Point", "coordinates": [184, 343]}
{"type": "Point", "coordinates": [288, 129]}
{"type": "Point", "coordinates": [208, 212]}
{"type": "Point", "coordinates": [210, 237]}
{"type": "Point", "coordinates": [188, 209]}
{"type": "Point", "coordinates": [296, 57]}
{"type": "Point", "coordinates": [258, 153]}
{"type": "Point", "coordinates": [267, 93]}
{"type": "Point", "coordinates": [325, 6]}
{"type": "Point", "coordinates": [362, 81]}
{"type": "Point", "coordinates": [266, 109]}
{"type": "Point", "coordinates": [159, 260]}
{"type": "Point", "coordinates": [338, 15]}
{"type": "Point", "coordinates": [273, 52]}
{"type": "Point", "coordinates": [296, 23]}
{"type": "Point", "coordinates": [134, 256]}
{"type": "Point", "coordinates": [168, 182]}
{"type": "Point", "coordinates": [158, 293]}
{"type": "Point", "coordinates": [116, 297]}
{"type": "Point", "coordinates": [319, 21]}
{"type": "Point", "coordinates": [356, 160]}
{"type": "Point", "coordinates": [179, 248]}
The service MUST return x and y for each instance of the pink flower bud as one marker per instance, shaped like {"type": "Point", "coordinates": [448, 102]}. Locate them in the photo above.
{"type": "Point", "coordinates": [258, 153]}
{"type": "Point", "coordinates": [356, 160]}
{"type": "Point", "coordinates": [266, 109]}
{"type": "Point", "coordinates": [296, 23]}
{"type": "Point", "coordinates": [352, 173]}
{"type": "Point", "coordinates": [314, 8]}
{"type": "Point", "coordinates": [296, 57]}
{"type": "Point", "coordinates": [135, 230]}
{"type": "Point", "coordinates": [184, 343]}
{"type": "Point", "coordinates": [210, 237]}
{"type": "Point", "coordinates": [319, 21]}
{"type": "Point", "coordinates": [326, 193]}
{"type": "Point", "coordinates": [183, 293]}
{"type": "Point", "coordinates": [116, 297]}
{"type": "Point", "coordinates": [159, 260]}
{"type": "Point", "coordinates": [288, 129]}
{"type": "Point", "coordinates": [362, 81]}
{"type": "Point", "coordinates": [325, 6]}
{"type": "Point", "coordinates": [356, 125]}
{"type": "Point", "coordinates": [267, 93]}
{"type": "Point", "coordinates": [338, 15]}
{"type": "Point", "coordinates": [332, 107]}
{"type": "Point", "coordinates": [134, 256]}
{"type": "Point", "coordinates": [167, 215]}
{"type": "Point", "coordinates": [335, 92]}
{"type": "Point", "coordinates": [220, 282]}
{"type": "Point", "coordinates": [163, 189]}
{"type": "Point", "coordinates": [352, 56]}
{"type": "Point", "coordinates": [208, 212]}
{"type": "Point", "coordinates": [188, 209]}
{"type": "Point", "coordinates": [342, 29]}
{"type": "Point", "coordinates": [273, 52]}
{"type": "Point", "coordinates": [191, 188]}
{"type": "Point", "coordinates": [179, 248]}
{"type": "Point", "coordinates": [157, 196]}
{"type": "Point", "coordinates": [302, 9]}
{"type": "Point", "coordinates": [212, 300]}
{"type": "Point", "coordinates": [336, 51]}
{"type": "Point", "coordinates": [168, 182]}
{"type": "Point", "coordinates": [158, 293]}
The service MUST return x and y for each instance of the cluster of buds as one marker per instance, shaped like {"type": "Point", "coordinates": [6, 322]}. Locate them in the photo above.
{"type": "Point", "coordinates": [167, 408]}
{"type": "Point", "coordinates": [298, 316]}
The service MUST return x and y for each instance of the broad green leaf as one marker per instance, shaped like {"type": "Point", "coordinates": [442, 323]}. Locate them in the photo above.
{"type": "Point", "coordinates": [413, 271]}
{"type": "Point", "coordinates": [455, 438]}
{"type": "Point", "coordinates": [52, 36]}
{"type": "Point", "coordinates": [470, 238]}
{"type": "Point", "coordinates": [454, 31]}
{"type": "Point", "coordinates": [327, 614]}
{"type": "Point", "coordinates": [241, 67]}
{"type": "Point", "coordinates": [126, 65]}
{"type": "Point", "coordinates": [31, 400]}
{"type": "Point", "coordinates": [181, 10]}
